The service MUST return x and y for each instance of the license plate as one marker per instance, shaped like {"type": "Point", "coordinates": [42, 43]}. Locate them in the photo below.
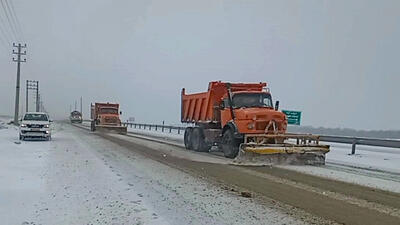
{"type": "Point", "coordinates": [35, 129]}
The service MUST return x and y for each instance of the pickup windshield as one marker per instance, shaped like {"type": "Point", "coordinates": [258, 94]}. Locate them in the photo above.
{"type": "Point", "coordinates": [109, 111]}
{"type": "Point", "coordinates": [36, 117]}
{"type": "Point", "coordinates": [248, 100]}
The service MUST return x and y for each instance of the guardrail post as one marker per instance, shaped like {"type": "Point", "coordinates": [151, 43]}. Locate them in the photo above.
{"type": "Point", "coordinates": [170, 129]}
{"type": "Point", "coordinates": [156, 127]}
{"type": "Point", "coordinates": [162, 129]}
{"type": "Point", "coordinates": [149, 126]}
{"type": "Point", "coordinates": [179, 130]}
{"type": "Point", "coordinates": [353, 147]}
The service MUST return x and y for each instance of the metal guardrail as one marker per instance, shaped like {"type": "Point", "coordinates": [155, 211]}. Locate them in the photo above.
{"type": "Point", "coordinates": [377, 142]}
{"type": "Point", "coordinates": [354, 141]}
{"type": "Point", "coordinates": [156, 127]}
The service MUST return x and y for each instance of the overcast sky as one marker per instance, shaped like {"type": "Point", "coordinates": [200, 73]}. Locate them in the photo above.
{"type": "Point", "coordinates": [336, 61]}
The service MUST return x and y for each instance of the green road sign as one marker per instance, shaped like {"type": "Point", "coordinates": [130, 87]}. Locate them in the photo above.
{"type": "Point", "coordinates": [294, 117]}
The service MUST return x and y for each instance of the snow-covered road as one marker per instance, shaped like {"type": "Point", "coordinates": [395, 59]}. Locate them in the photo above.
{"type": "Point", "coordinates": [79, 178]}
{"type": "Point", "coordinates": [371, 166]}
{"type": "Point", "coordinates": [374, 158]}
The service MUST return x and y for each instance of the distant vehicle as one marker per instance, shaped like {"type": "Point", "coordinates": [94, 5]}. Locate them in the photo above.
{"type": "Point", "coordinates": [35, 125]}
{"type": "Point", "coordinates": [105, 117]}
{"type": "Point", "coordinates": [75, 117]}
{"type": "Point", "coordinates": [241, 119]}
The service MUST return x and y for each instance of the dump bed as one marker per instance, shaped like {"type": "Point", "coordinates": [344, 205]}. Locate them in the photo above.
{"type": "Point", "coordinates": [205, 106]}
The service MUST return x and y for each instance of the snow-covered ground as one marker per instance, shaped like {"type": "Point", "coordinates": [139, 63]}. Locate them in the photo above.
{"type": "Point", "coordinates": [376, 158]}
{"type": "Point", "coordinates": [80, 178]}
{"type": "Point", "coordinates": [370, 166]}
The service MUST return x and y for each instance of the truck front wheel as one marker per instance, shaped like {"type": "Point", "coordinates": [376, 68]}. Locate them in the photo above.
{"type": "Point", "coordinates": [230, 145]}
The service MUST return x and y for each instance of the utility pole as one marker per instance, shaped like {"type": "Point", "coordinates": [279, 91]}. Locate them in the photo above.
{"type": "Point", "coordinates": [75, 105]}
{"type": "Point", "coordinates": [27, 96]}
{"type": "Point", "coordinates": [17, 91]}
{"type": "Point", "coordinates": [81, 107]}
{"type": "Point", "coordinates": [37, 102]}
{"type": "Point", "coordinates": [31, 85]}
{"type": "Point", "coordinates": [37, 97]}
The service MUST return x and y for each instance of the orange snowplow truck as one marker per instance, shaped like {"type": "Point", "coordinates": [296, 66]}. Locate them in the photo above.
{"type": "Point", "coordinates": [105, 117]}
{"type": "Point", "coordinates": [241, 119]}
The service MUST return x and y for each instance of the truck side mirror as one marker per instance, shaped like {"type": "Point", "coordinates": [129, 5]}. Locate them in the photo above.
{"type": "Point", "coordinates": [120, 112]}
{"type": "Point", "coordinates": [276, 105]}
{"type": "Point", "coordinates": [222, 105]}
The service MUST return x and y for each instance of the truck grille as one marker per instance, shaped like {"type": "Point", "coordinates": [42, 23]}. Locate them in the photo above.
{"type": "Point", "coordinates": [261, 125]}
{"type": "Point", "coordinates": [113, 120]}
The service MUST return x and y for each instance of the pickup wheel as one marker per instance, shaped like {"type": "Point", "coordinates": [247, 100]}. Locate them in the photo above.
{"type": "Point", "coordinates": [198, 140]}
{"type": "Point", "coordinates": [187, 138]}
{"type": "Point", "coordinates": [230, 145]}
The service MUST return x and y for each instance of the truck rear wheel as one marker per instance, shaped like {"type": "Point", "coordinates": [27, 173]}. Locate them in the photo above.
{"type": "Point", "coordinates": [198, 140]}
{"type": "Point", "coordinates": [230, 145]}
{"type": "Point", "coordinates": [187, 138]}
{"type": "Point", "coordinates": [92, 126]}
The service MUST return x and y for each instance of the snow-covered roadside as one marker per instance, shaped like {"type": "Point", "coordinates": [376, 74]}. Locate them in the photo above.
{"type": "Point", "coordinates": [79, 178]}
{"type": "Point", "coordinates": [59, 182]}
{"type": "Point", "coordinates": [377, 158]}
{"type": "Point", "coordinates": [339, 163]}
{"type": "Point", "coordinates": [173, 136]}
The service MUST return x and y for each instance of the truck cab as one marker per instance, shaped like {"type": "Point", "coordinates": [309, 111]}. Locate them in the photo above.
{"type": "Point", "coordinates": [108, 115]}
{"type": "Point", "coordinates": [76, 117]}
{"type": "Point", "coordinates": [252, 112]}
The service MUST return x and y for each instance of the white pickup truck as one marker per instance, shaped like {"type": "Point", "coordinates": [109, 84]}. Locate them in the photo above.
{"type": "Point", "coordinates": [35, 125]}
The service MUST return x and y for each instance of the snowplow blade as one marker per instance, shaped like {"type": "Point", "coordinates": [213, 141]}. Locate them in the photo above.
{"type": "Point", "coordinates": [111, 129]}
{"type": "Point", "coordinates": [306, 150]}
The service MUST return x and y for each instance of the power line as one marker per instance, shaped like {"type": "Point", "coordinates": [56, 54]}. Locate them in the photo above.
{"type": "Point", "coordinates": [14, 15]}
{"type": "Point", "coordinates": [4, 43]}
{"type": "Point", "coordinates": [12, 28]}
{"type": "Point", "coordinates": [3, 40]}
{"type": "Point", "coordinates": [7, 36]}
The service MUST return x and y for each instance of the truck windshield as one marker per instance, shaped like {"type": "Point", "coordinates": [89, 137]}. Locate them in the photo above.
{"type": "Point", "coordinates": [36, 117]}
{"type": "Point", "coordinates": [109, 111]}
{"type": "Point", "coordinates": [248, 100]}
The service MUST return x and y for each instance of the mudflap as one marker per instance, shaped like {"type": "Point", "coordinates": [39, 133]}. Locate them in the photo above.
{"type": "Point", "coordinates": [268, 155]}
{"type": "Point", "coordinates": [112, 129]}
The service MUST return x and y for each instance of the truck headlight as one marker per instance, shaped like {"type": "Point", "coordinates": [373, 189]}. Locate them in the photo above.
{"type": "Point", "coordinates": [46, 126]}
{"type": "Point", "coordinates": [250, 126]}
{"type": "Point", "coordinates": [23, 125]}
